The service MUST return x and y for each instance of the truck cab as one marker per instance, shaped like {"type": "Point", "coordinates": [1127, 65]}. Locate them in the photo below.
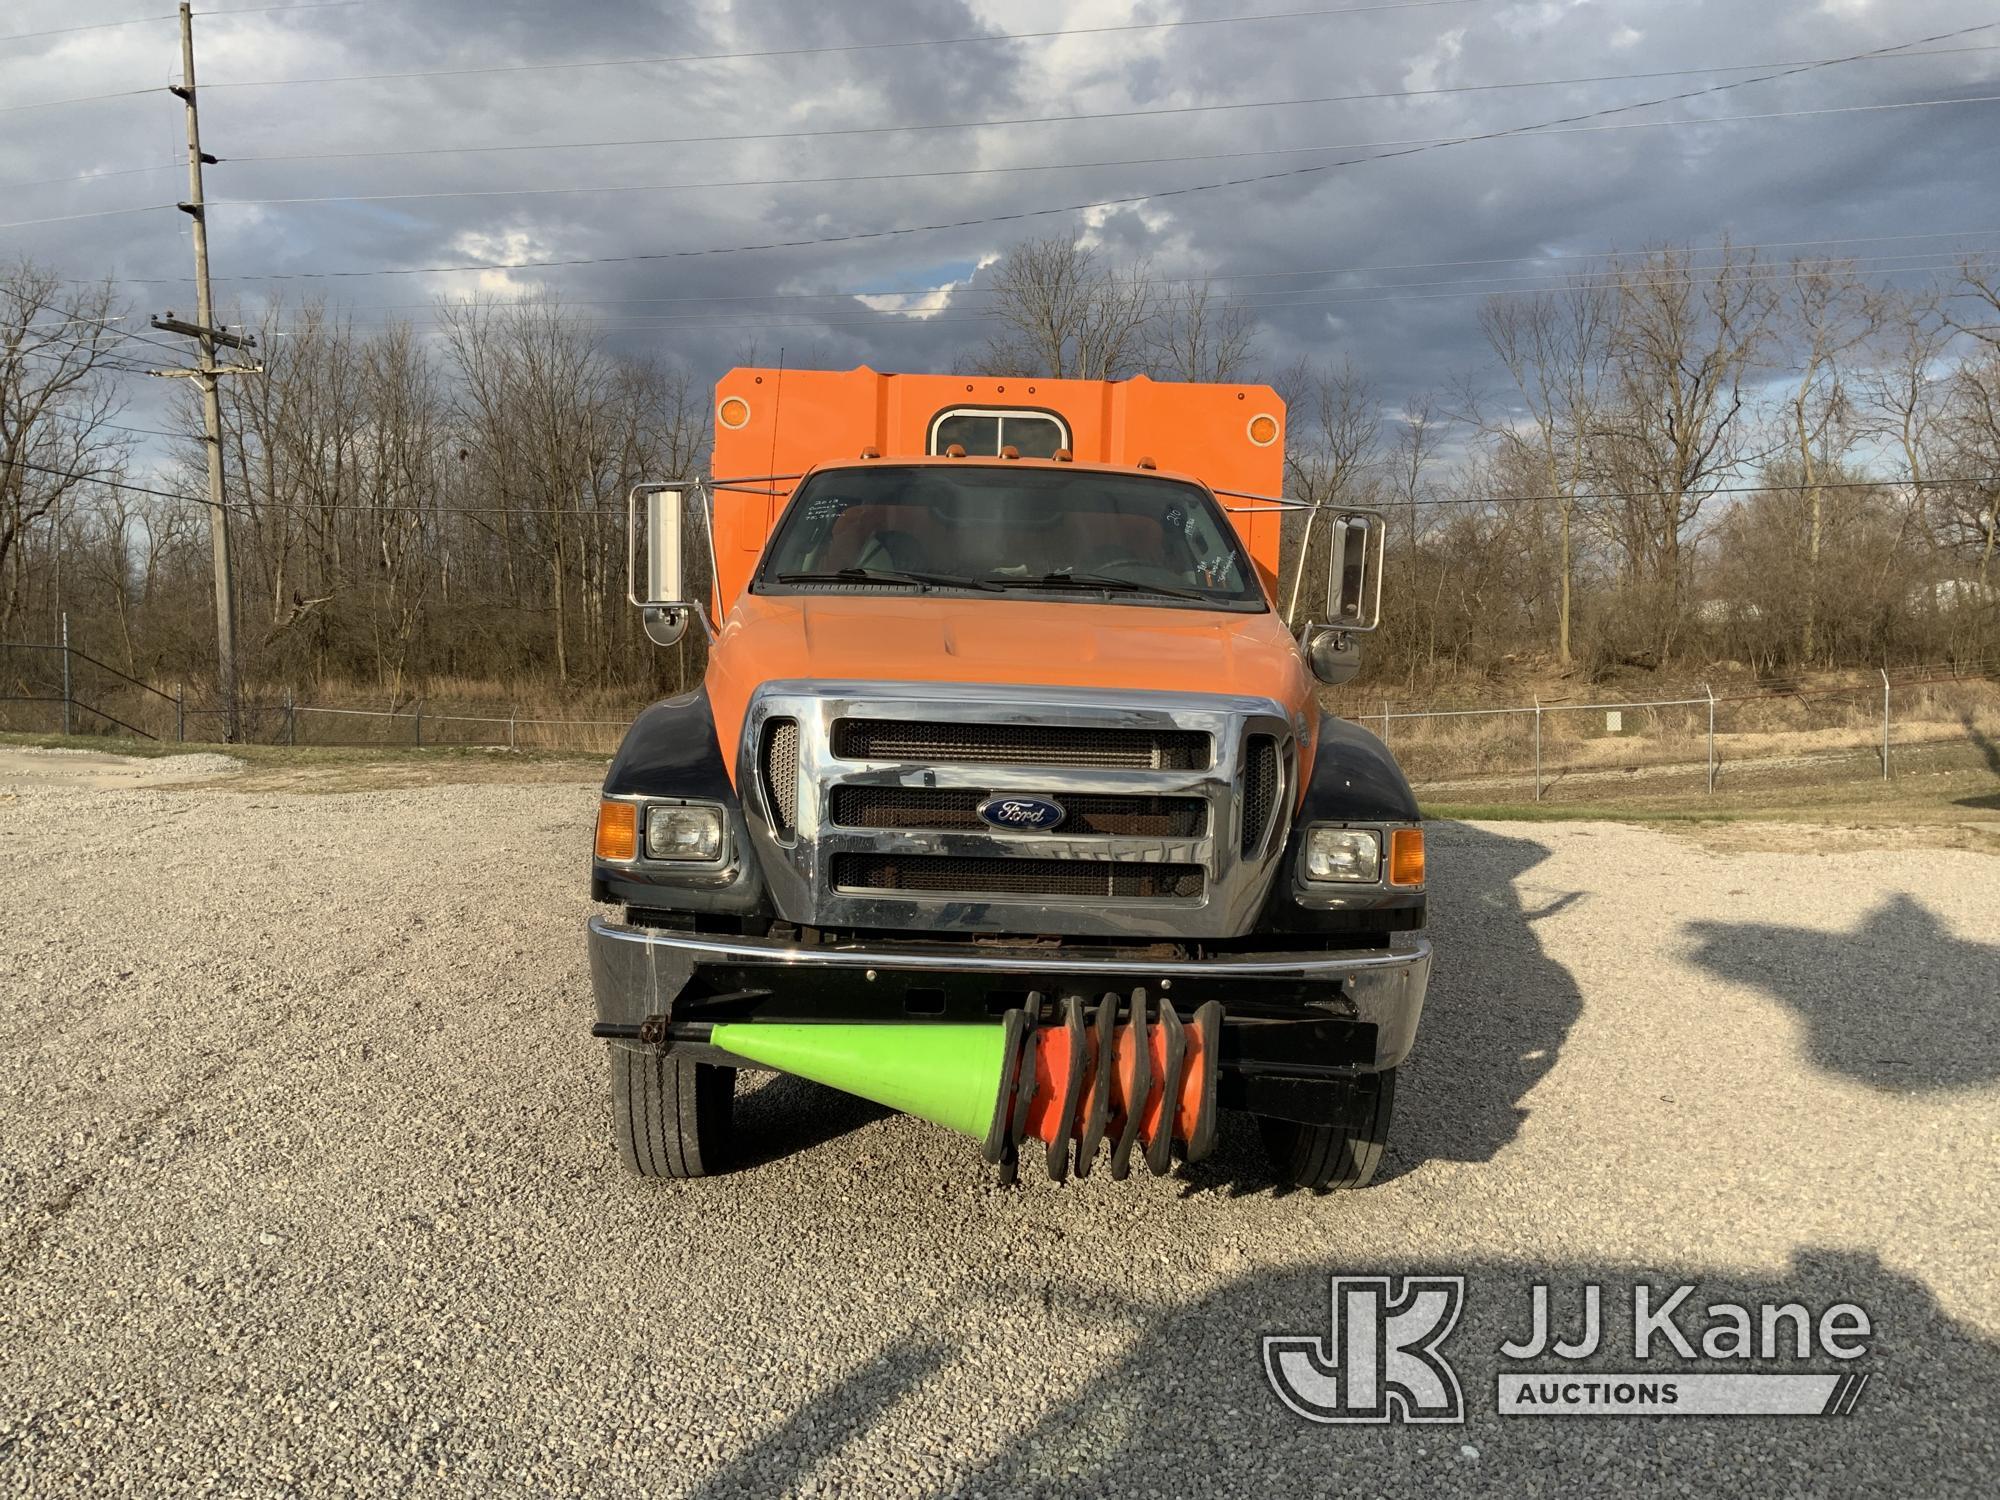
{"type": "Point", "coordinates": [1006, 798]}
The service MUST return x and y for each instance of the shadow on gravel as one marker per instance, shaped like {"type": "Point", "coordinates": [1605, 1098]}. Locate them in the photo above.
{"type": "Point", "coordinates": [1494, 1020]}
{"type": "Point", "coordinates": [823, 1426]}
{"type": "Point", "coordinates": [1191, 1403]}
{"type": "Point", "coordinates": [1188, 1408]}
{"type": "Point", "coordinates": [783, 1115]}
{"type": "Point", "coordinates": [1899, 1004]}
{"type": "Point", "coordinates": [1499, 1007]}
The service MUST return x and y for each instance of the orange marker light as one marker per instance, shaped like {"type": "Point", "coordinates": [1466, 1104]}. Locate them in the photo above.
{"type": "Point", "coordinates": [1406, 856]}
{"type": "Point", "coordinates": [1263, 429]}
{"type": "Point", "coordinates": [617, 830]}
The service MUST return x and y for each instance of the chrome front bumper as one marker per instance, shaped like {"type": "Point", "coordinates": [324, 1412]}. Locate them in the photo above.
{"type": "Point", "coordinates": [641, 974]}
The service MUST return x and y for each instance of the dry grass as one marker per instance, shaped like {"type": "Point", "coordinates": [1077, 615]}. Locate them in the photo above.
{"type": "Point", "coordinates": [1817, 725]}
{"type": "Point", "coordinates": [350, 768]}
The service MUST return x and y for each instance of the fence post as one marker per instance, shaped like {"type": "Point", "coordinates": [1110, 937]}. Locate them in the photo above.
{"type": "Point", "coordinates": [1538, 747]}
{"type": "Point", "coordinates": [510, 726]}
{"type": "Point", "coordinates": [1711, 737]}
{"type": "Point", "coordinates": [420, 724]}
{"type": "Point", "coordinates": [68, 693]}
{"type": "Point", "coordinates": [1885, 723]}
{"type": "Point", "coordinates": [291, 720]}
{"type": "Point", "coordinates": [1385, 721]}
{"type": "Point", "coordinates": [180, 713]}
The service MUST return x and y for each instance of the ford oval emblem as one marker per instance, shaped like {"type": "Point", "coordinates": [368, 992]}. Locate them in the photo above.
{"type": "Point", "coordinates": [1024, 814]}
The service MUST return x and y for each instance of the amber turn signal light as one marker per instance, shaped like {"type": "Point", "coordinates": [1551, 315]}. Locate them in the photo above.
{"type": "Point", "coordinates": [618, 830]}
{"type": "Point", "coordinates": [1406, 856]}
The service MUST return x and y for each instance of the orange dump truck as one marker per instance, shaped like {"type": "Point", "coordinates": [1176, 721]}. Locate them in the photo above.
{"type": "Point", "coordinates": [1006, 800]}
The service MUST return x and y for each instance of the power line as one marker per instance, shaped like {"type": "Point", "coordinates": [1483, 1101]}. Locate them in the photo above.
{"type": "Point", "coordinates": [149, 431]}
{"type": "Point", "coordinates": [101, 360]}
{"type": "Point", "coordinates": [165, 166]}
{"type": "Point", "coordinates": [1071, 166]}
{"type": "Point", "coordinates": [1116, 114]}
{"type": "Point", "coordinates": [951, 41]}
{"type": "Point", "coordinates": [1126, 200]}
{"type": "Point", "coordinates": [612, 512]}
{"type": "Point", "coordinates": [265, 10]}
{"type": "Point", "coordinates": [1633, 274]}
{"type": "Point", "coordinates": [32, 36]}
{"type": "Point", "coordinates": [1210, 277]}
{"type": "Point", "coordinates": [110, 484]}
{"type": "Point", "coordinates": [99, 213]}
{"type": "Point", "coordinates": [249, 10]}
{"type": "Point", "coordinates": [1189, 109]}
{"type": "Point", "coordinates": [942, 317]}
{"type": "Point", "coordinates": [8, 109]}
{"type": "Point", "coordinates": [171, 15]}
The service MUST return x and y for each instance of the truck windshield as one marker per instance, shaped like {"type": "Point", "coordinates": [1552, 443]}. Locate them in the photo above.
{"type": "Point", "coordinates": [988, 528]}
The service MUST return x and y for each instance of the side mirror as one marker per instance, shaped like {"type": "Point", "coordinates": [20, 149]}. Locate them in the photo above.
{"type": "Point", "coordinates": [1354, 579]}
{"type": "Point", "coordinates": [1335, 656]}
{"type": "Point", "coordinates": [655, 573]}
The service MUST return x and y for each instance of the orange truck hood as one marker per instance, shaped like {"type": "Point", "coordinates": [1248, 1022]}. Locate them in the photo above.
{"type": "Point", "coordinates": [1017, 642]}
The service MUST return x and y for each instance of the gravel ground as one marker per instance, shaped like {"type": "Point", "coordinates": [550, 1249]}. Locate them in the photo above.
{"type": "Point", "coordinates": [305, 1187]}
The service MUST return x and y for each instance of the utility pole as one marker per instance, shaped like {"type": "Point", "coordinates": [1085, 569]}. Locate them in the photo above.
{"type": "Point", "coordinates": [208, 338]}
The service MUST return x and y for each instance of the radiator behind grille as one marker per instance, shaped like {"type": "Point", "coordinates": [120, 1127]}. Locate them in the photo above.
{"type": "Point", "coordinates": [925, 742]}
{"type": "Point", "coordinates": [950, 810]}
{"type": "Point", "coordinates": [1073, 879]}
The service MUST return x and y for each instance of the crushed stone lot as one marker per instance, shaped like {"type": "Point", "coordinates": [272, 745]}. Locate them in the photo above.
{"type": "Point", "coordinates": [306, 1186]}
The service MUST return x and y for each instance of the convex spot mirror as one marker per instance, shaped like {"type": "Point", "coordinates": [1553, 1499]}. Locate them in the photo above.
{"type": "Point", "coordinates": [1335, 657]}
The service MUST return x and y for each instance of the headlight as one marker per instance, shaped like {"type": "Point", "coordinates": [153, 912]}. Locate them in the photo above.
{"type": "Point", "coordinates": [1344, 854]}
{"type": "Point", "coordinates": [685, 833]}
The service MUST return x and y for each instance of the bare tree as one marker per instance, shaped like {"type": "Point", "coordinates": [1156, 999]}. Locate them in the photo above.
{"type": "Point", "coordinates": [56, 350]}
{"type": "Point", "coordinates": [1332, 451]}
{"type": "Point", "coordinates": [1898, 384]}
{"type": "Point", "coordinates": [1827, 316]}
{"type": "Point", "coordinates": [1971, 509]}
{"type": "Point", "coordinates": [1556, 347]}
{"type": "Point", "coordinates": [1686, 341]}
{"type": "Point", "coordinates": [1066, 314]}
{"type": "Point", "coordinates": [1193, 335]}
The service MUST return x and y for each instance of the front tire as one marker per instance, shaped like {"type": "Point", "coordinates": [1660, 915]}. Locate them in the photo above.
{"type": "Point", "coordinates": [670, 1117]}
{"type": "Point", "coordinates": [1327, 1157]}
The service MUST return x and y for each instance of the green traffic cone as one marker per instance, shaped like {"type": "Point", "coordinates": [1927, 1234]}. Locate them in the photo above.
{"type": "Point", "coordinates": [950, 1075]}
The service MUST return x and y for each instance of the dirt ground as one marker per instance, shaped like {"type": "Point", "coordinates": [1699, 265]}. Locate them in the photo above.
{"type": "Point", "coordinates": [306, 1183]}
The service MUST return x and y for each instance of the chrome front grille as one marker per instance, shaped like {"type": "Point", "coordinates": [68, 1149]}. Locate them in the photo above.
{"type": "Point", "coordinates": [1260, 790]}
{"type": "Point", "coordinates": [945, 809]}
{"type": "Point", "coordinates": [1069, 879]}
{"type": "Point", "coordinates": [778, 769]}
{"type": "Point", "coordinates": [1022, 744]}
{"type": "Point", "coordinates": [1174, 807]}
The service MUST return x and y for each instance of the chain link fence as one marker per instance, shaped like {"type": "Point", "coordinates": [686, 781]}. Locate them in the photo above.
{"type": "Point", "coordinates": [1860, 725]}
{"type": "Point", "coordinates": [1840, 728]}
{"type": "Point", "coordinates": [57, 689]}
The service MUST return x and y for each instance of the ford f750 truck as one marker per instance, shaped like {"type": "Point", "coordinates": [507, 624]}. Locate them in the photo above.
{"type": "Point", "coordinates": [1006, 800]}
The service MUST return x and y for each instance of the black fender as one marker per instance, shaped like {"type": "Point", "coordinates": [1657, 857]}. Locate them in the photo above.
{"type": "Point", "coordinates": [1354, 780]}
{"type": "Point", "coordinates": [671, 751]}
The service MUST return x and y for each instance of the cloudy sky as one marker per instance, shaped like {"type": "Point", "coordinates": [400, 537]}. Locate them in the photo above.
{"type": "Point", "coordinates": [1382, 260]}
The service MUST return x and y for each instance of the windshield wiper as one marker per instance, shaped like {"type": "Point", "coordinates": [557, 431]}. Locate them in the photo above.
{"type": "Point", "coordinates": [889, 575]}
{"type": "Point", "coordinates": [1095, 582]}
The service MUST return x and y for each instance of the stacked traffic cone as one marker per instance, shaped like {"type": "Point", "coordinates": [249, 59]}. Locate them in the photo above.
{"type": "Point", "coordinates": [1143, 1081]}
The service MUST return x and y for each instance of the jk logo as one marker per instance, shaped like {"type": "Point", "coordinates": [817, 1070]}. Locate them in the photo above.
{"type": "Point", "coordinates": [1381, 1362]}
